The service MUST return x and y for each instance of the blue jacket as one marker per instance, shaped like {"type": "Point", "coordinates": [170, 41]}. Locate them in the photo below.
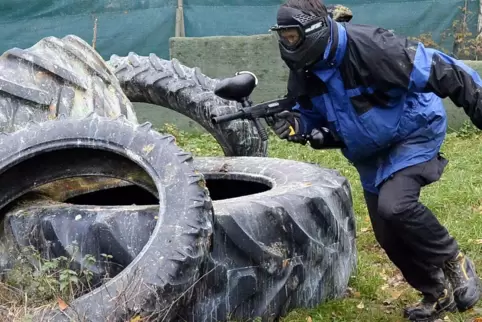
{"type": "Point", "coordinates": [381, 95]}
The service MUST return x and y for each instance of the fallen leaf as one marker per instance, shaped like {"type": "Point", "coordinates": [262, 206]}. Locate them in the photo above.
{"type": "Point", "coordinates": [62, 304]}
{"type": "Point", "coordinates": [360, 305]}
{"type": "Point", "coordinates": [477, 208]}
{"type": "Point", "coordinates": [352, 293]}
{"type": "Point", "coordinates": [396, 280]}
{"type": "Point", "coordinates": [395, 294]}
{"type": "Point", "coordinates": [135, 319]}
{"type": "Point", "coordinates": [479, 319]}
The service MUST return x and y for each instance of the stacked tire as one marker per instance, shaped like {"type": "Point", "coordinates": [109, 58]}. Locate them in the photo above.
{"type": "Point", "coordinates": [64, 115]}
{"type": "Point", "coordinates": [287, 242]}
{"type": "Point", "coordinates": [290, 246]}
{"type": "Point", "coordinates": [189, 92]}
{"type": "Point", "coordinates": [57, 77]}
{"type": "Point", "coordinates": [170, 261]}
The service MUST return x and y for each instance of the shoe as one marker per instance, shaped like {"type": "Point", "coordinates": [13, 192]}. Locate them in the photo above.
{"type": "Point", "coordinates": [461, 273]}
{"type": "Point", "coordinates": [429, 308]}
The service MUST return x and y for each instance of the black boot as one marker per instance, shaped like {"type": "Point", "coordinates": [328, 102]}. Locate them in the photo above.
{"type": "Point", "coordinates": [462, 275]}
{"type": "Point", "coordinates": [430, 308]}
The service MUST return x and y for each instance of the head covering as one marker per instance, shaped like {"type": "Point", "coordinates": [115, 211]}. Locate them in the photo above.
{"type": "Point", "coordinates": [313, 33]}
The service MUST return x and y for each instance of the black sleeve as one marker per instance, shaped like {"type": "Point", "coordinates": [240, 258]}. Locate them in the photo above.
{"type": "Point", "coordinates": [301, 87]}
{"type": "Point", "coordinates": [393, 62]}
{"type": "Point", "coordinates": [448, 77]}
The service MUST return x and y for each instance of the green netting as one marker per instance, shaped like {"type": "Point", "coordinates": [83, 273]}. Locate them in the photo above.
{"type": "Point", "coordinates": [229, 17]}
{"type": "Point", "coordinates": [248, 17]}
{"type": "Point", "coordinates": [146, 26]}
{"type": "Point", "coordinates": [415, 17]}
{"type": "Point", "coordinates": [123, 25]}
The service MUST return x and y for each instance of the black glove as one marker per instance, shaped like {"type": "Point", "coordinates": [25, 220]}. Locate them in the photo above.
{"type": "Point", "coordinates": [316, 139]}
{"type": "Point", "coordinates": [324, 139]}
{"type": "Point", "coordinates": [287, 126]}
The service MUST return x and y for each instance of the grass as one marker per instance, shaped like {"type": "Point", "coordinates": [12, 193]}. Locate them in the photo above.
{"type": "Point", "coordinates": [377, 290]}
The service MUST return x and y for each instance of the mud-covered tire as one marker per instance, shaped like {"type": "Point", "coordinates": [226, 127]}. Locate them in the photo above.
{"type": "Point", "coordinates": [287, 247]}
{"type": "Point", "coordinates": [56, 229]}
{"type": "Point", "coordinates": [57, 76]}
{"type": "Point", "coordinates": [289, 244]}
{"type": "Point", "coordinates": [167, 266]}
{"type": "Point", "coordinates": [150, 79]}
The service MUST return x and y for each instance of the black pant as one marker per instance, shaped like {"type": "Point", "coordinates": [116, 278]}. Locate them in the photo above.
{"type": "Point", "coordinates": [410, 234]}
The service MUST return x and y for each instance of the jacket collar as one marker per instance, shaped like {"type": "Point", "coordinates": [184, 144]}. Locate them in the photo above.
{"type": "Point", "coordinates": [335, 51]}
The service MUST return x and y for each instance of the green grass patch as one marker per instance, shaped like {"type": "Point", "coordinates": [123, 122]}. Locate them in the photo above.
{"type": "Point", "coordinates": [377, 292]}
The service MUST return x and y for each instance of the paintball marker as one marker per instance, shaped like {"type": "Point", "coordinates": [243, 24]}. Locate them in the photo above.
{"type": "Point", "coordinates": [239, 88]}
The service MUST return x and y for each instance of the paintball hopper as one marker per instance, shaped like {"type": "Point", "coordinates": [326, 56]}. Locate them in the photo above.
{"type": "Point", "coordinates": [238, 87]}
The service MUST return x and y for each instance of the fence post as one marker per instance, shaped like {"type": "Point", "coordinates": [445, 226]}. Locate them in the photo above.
{"type": "Point", "coordinates": [479, 20]}
{"type": "Point", "coordinates": [180, 31]}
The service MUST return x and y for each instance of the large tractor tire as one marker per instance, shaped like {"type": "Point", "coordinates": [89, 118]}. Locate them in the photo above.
{"type": "Point", "coordinates": [289, 244]}
{"type": "Point", "coordinates": [57, 77]}
{"type": "Point", "coordinates": [150, 79]}
{"type": "Point", "coordinates": [163, 271]}
{"type": "Point", "coordinates": [284, 235]}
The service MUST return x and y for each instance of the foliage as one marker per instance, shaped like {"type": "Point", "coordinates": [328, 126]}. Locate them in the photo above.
{"type": "Point", "coordinates": [468, 130]}
{"type": "Point", "coordinates": [428, 41]}
{"type": "Point", "coordinates": [465, 46]}
{"type": "Point", "coordinates": [35, 282]}
{"type": "Point", "coordinates": [49, 279]}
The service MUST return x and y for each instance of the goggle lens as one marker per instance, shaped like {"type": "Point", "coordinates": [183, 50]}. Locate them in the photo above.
{"type": "Point", "coordinates": [290, 37]}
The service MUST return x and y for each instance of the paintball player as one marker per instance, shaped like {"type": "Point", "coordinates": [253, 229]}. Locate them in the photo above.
{"type": "Point", "coordinates": [377, 97]}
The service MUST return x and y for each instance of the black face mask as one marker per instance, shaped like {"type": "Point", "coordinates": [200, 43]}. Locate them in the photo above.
{"type": "Point", "coordinates": [302, 37]}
